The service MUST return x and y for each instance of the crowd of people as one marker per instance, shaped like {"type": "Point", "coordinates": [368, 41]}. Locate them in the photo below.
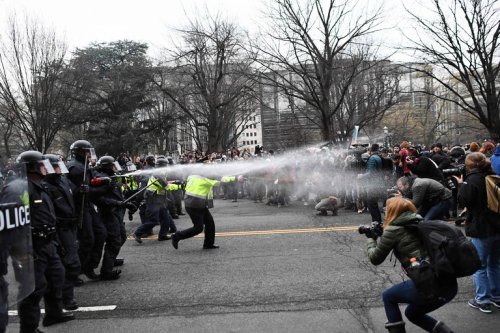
{"type": "Point", "coordinates": [78, 210]}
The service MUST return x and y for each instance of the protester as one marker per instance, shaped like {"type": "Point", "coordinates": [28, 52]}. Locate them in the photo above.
{"type": "Point", "coordinates": [430, 197]}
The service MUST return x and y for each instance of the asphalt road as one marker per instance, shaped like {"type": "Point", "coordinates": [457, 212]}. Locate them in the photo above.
{"type": "Point", "coordinates": [277, 270]}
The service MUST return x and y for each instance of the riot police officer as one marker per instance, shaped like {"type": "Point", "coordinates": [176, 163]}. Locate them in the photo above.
{"type": "Point", "coordinates": [176, 188]}
{"type": "Point", "coordinates": [198, 201]}
{"type": "Point", "coordinates": [157, 212]}
{"type": "Point", "coordinates": [49, 271]}
{"type": "Point", "coordinates": [67, 220]}
{"type": "Point", "coordinates": [15, 243]}
{"type": "Point", "coordinates": [149, 164]}
{"type": "Point", "coordinates": [163, 162]}
{"type": "Point", "coordinates": [92, 232]}
{"type": "Point", "coordinates": [110, 206]}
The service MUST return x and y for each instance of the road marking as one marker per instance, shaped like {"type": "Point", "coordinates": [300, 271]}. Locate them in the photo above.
{"type": "Point", "coordinates": [271, 232]}
{"type": "Point", "coordinates": [268, 232]}
{"type": "Point", "coordinates": [80, 309]}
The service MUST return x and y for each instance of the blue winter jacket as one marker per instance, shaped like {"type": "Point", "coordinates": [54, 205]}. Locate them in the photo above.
{"type": "Point", "coordinates": [495, 160]}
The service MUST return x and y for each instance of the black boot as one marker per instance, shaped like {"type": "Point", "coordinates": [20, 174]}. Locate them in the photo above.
{"type": "Point", "coordinates": [113, 275]}
{"type": "Point", "coordinates": [61, 318]}
{"type": "Point", "coordinates": [91, 274]}
{"type": "Point", "coordinates": [398, 327]}
{"type": "Point", "coordinates": [119, 262]}
{"type": "Point", "coordinates": [175, 241]}
{"type": "Point", "coordinates": [441, 328]}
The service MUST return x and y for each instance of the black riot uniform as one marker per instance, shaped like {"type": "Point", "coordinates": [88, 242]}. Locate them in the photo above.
{"type": "Point", "coordinates": [49, 271]}
{"type": "Point", "coordinates": [15, 242]}
{"type": "Point", "coordinates": [91, 233]}
{"type": "Point", "coordinates": [67, 221]}
{"type": "Point", "coordinates": [111, 207]}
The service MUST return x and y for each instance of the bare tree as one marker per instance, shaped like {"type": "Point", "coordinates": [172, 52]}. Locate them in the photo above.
{"type": "Point", "coordinates": [32, 61]}
{"type": "Point", "coordinates": [6, 128]}
{"type": "Point", "coordinates": [160, 120]}
{"type": "Point", "coordinates": [460, 39]}
{"type": "Point", "coordinates": [371, 93]}
{"type": "Point", "coordinates": [213, 87]}
{"type": "Point", "coordinates": [309, 54]}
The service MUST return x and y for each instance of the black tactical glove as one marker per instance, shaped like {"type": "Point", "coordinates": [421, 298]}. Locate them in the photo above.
{"type": "Point", "coordinates": [84, 188]}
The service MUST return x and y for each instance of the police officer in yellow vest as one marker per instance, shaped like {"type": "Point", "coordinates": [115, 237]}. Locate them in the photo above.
{"type": "Point", "coordinates": [198, 200]}
{"type": "Point", "coordinates": [156, 209]}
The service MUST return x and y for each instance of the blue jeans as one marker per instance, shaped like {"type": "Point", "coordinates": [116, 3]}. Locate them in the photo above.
{"type": "Point", "coordinates": [416, 312]}
{"type": "Point", "coordinates": [438, 211]}
{"type": "Point", "coordinates": [487, 278]}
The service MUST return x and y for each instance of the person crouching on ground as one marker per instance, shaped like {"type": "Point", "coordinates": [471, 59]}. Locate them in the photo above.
{"type": "Point", "coordinates": [327, 204]}
{"type": "Point", "coordinates": [406, 246]}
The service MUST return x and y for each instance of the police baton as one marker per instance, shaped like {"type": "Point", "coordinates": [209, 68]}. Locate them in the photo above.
{"type": "Point", "coordinates": [80, 219]}
{"type": "Point", "coordinates": [137, 193]}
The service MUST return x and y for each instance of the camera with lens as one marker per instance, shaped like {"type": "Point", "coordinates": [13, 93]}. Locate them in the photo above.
{"type": "Point", "coordinates": [456, 171]}
{"type": "Point", "coordinates": [374, 230]}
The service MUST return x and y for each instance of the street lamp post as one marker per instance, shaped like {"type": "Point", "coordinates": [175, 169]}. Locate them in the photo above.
{"type": "Point", "coordinates": [386, 137]}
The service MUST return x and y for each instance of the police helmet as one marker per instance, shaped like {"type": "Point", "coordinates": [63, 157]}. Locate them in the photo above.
{"type": "Point", "coordinates": [80, 144]}
{"type": "Point", "coordinates": [82, 148]}
{"type": "Point", "coordinates": [33, 159]}
{"type": "Point", "coordinates": [30, 157]}
{"type": "Point", "coordinates": [109, 163]}
{"type": "Point", "coordinates": [150, 160]}
{"type": "Point", "coordinates": [170, 160]}
{"type": "Point", "coordinates": [161, 162]}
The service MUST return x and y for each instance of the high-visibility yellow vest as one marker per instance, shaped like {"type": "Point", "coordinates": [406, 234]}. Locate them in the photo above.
{"type": "Point", "coordinates": [173, 187]}
{"type": "Point", "coordinates": [199, 192]}
{"type": "Point", "coordinates": [228, 179]}
{"type": "Point", "coordinates": [155, 186]}
{"type": "Point", "coordinates": [130, 183]}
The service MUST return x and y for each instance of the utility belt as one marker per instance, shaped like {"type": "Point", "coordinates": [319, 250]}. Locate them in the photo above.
{"type": "Point", "coordinates": [43, 233]}
{"type": "Point", "coordinates": [67, 222]}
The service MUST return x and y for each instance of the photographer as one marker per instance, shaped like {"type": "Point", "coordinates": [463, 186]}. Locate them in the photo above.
{"type": "Point", "coordinates": [424, 167]}
{"type": "Point", "coordinates": [406, 246]}
{"type": "Point", "coordinates": [483, 226]}
{"type": "Point", "coordinates": [430, 197]}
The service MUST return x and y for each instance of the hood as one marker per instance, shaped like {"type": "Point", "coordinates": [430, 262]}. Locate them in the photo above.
{"type": "Point", "coordinates": [497, 151]}
{"type": "Point", "coordinates": [406, 218]}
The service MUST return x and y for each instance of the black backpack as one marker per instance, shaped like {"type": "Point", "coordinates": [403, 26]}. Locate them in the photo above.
{"type": "Point", "coordinates": [450, 252]}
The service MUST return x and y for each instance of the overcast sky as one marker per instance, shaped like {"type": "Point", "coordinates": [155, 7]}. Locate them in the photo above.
{"type": "Point", "coordinates": [82, 22]}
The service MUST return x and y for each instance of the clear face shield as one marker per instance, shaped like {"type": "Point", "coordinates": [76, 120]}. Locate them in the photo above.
{"type": "Point", "coordinates": [61, 167]}
{"type": "Point", "coordinates": [48, 167]}
{"type": "Point", "coordinates": [130, 167]}
{"type": "Point", "coordinates": [117, 167]}
{"type": "Point", "coordinates": [90, 152]}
